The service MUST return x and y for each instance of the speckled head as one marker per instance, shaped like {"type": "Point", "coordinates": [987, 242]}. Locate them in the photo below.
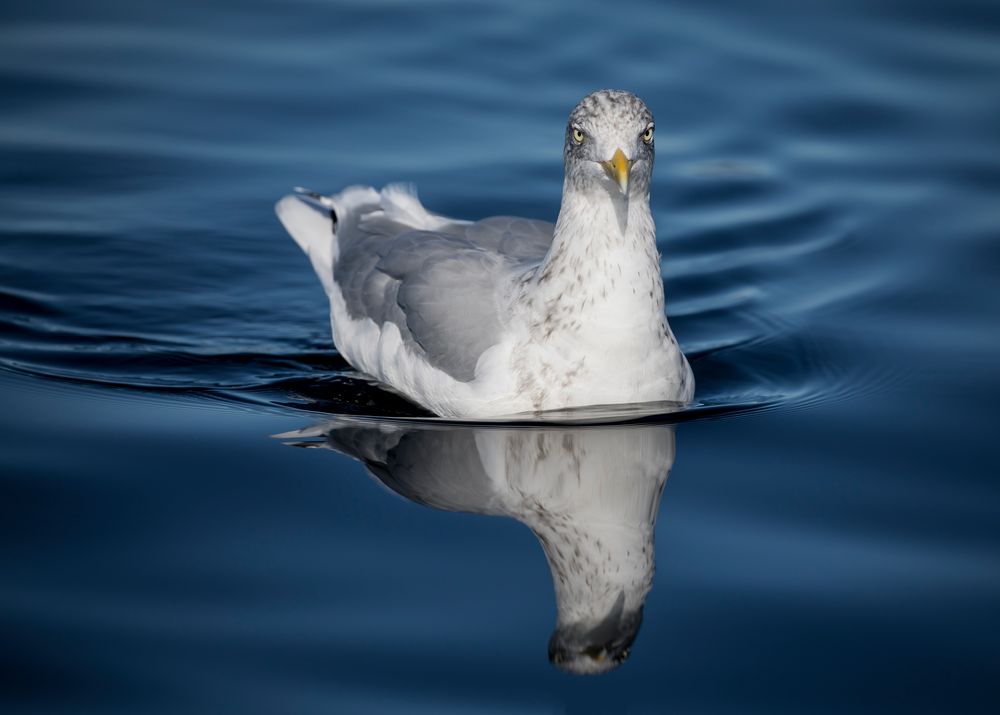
{"type": "Point", "coordinates": [609, 144]}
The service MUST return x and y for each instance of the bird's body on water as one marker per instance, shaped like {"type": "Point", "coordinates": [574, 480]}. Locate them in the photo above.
{"type": "Point", "coordinates": [507, 316]}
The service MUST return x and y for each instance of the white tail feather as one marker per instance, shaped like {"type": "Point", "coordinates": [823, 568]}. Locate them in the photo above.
{"type": "Point", "coordinates": [306, 216]}
{"type": "Point", "coordinates": [400, 204]}
{"type": "Point", "coordinates": [313, 232]}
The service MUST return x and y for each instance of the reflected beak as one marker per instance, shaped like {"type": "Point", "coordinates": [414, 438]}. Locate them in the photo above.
{"type": "Point", "coordinates": [617, 168]}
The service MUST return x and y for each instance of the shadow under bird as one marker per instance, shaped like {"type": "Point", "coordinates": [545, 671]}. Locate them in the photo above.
{"type": "Point", "coordinates": [507, 316]}
{"type": "Point", "coordinates": [589, 494]}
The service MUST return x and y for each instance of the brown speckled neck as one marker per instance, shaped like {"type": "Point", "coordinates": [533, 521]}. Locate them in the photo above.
{"type": "Point", "coordinates": [604, 249]}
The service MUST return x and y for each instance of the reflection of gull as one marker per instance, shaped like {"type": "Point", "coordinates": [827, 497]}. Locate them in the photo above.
{"type": "Point", "coordinates": [590, 495]}
{"type": "Point", "coordinates": [507, 315]}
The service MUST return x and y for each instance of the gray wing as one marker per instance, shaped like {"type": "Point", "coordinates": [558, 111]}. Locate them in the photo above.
{"type": "Point", "coordinates": [438, 287]}
{"type": "Point", "coordinates": [522, 240]}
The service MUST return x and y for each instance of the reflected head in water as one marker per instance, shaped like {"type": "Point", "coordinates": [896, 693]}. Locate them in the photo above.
{"type": "Point", "coordinates": [581, 649]}
{"type": "Point", "coordinates": [589, 494]}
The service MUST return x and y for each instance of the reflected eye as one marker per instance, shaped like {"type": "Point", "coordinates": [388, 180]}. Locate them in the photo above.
{"type": "Point", "coordinates": [578, 136]}
{"type": "Point", "coordinates": [647, 136]}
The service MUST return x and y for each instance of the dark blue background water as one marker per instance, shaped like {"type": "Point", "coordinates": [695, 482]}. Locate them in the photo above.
{"type": "Point", "coordinates": [826, 196]}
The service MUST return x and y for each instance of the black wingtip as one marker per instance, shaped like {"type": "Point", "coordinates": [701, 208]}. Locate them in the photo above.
{"type": "Point", "coordinates": [319, 201]}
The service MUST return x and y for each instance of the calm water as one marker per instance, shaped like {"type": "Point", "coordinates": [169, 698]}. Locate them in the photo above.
{"type": "Point", "coordinates": [826, 196]}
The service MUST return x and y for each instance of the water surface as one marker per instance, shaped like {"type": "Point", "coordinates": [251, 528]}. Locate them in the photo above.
{"type": "Point", "coordinates": [825, 197]}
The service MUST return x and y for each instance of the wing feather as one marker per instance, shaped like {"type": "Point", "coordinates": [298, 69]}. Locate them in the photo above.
{"type": "Point", "coordinates": [437, 279]}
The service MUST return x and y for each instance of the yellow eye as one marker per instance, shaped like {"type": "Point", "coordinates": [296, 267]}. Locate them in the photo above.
{"type": "Point", "coordinates": [647, 136]}
{"type": "Point", "coordinates": [578, 136]}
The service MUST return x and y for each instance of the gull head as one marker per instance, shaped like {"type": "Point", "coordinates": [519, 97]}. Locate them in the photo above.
{"type": "Point", "coordinates": [609, 144]}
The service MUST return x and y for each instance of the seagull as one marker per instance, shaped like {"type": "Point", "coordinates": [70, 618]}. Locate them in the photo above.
{"type": "Point", "coordinates": [507, 316]}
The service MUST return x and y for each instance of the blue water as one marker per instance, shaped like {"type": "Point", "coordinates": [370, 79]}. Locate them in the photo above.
{"type": "Point", "coordinates": [826, 197]}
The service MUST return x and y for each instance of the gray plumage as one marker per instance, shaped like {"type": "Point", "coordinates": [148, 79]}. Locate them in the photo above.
{"type": "Point", "coordinates": [434, 285]}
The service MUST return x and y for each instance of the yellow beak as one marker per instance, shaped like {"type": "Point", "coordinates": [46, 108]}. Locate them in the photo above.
{"type": "Point", "coordinates": [618, 168]}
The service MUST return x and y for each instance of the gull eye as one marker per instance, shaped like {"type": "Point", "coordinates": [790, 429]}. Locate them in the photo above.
{"type": "Point", "coordinates": [578, 136]}
{"type": "Point", "coordinates": [647, 136]}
